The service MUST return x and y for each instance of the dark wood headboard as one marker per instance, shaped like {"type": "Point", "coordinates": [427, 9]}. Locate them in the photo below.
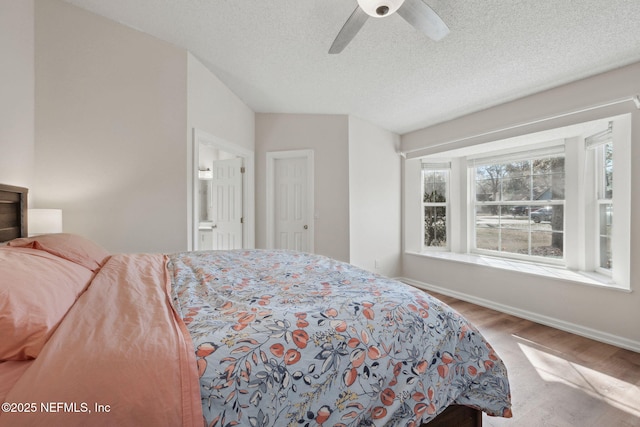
{"type": "Point", "coordinates": [13, 212]}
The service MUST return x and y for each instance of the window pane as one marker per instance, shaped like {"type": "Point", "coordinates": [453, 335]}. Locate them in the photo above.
{"type": "Point", "coordinates": [516, 181]}
{"type": "Point", "coordinates": [606, 181]}
{"type": "Point", "coordinates": [487, 228]}
{"type": "Point", "coordinates": [548, 165]}
{"type": "Point", "coordinates": [435, 226]}
{"type": "Point", "coordinates": [557, 186]}
{"type": "Point", "coordinates": [548, 179]}
{"type": "Point", "coordinates": [608, 190]}
{"type": "Point", "coordinates": [487, 237]}
{"type": "Point", "coordinates": [435, 186]}
{"type": "Point", "coordinates": [539, 214]}
{"type": "Point", "coordinates": [517, 188]}
{"type": "Point", "coordinates": [606, 220]}
{"type": "Point", "coordinates": [605, 252]}
{"type": "Point", "coordinates": [520, 211]}
{"type": "Point", "coordinates": [514, 217]}
{"type": "Point", "coordinates": [498, 229]}
{"type": "Point", "coordinates": [489, 181]}
{"type": "Point", "coordinates": [487, 190]}
{"type": "Point", "coordinates": [518, 169]}
{"type": "Point", "coordinates": [542, 243]}
{"type": "Point", "coordinates": [557, 218]}
{"type": "Point", "coordinates": [547, 231]}
{"type": "Point", "coordinates": [515, 241]}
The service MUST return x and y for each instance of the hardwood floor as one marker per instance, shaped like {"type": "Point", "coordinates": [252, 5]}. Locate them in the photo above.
{"type": "Point", "coordinates": [558, 379]}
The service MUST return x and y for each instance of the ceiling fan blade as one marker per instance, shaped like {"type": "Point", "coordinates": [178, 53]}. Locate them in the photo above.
{"type": "Point", "coordinates": [349, 30]}
{"type": "Point", "coordinates": [425, 19]}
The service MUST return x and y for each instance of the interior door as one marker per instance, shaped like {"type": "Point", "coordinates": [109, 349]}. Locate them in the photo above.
{"type": "Point", "coordinates": [207, 149]}
{"type": "Point", "coordinates": [226, 197]}
{"type": "Point", "coordinates": [291, 213]}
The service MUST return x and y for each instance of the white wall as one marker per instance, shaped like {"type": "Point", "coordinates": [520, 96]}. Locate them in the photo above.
{"type": "Point", "coordinates": [17, 110]}
{"type": "Point", "coordinates": [328, 136]}
{"type": "Point", "coordinates": [213, 108]}
{"type": "Point", "coordinates": [111, 119]}
{"type": "Point", "coordinates": [115, 112]}
{"type": "Point", "coordinates": [374, 198]}
{"type": "Point", "coordinates": [605, 314]}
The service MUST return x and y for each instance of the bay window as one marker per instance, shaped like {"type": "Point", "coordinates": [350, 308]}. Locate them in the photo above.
{"type": "Point", "coordinates": [546, 200]}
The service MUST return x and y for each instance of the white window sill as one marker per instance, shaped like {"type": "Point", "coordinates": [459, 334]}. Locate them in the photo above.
{"type": "Point", "coordinates": [550, 271]}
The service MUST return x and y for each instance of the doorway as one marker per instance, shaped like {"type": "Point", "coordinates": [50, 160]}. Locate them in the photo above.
{"type": "Point", "coordinates": [290, 200]}
{"type": "Point", "coordinates": [222, 195]}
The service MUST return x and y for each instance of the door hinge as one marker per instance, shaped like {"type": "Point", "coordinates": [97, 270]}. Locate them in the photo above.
{"type": "Point", "coordinates": [241, 220]}
{"type": "Point", "coordinates": [242, 169]}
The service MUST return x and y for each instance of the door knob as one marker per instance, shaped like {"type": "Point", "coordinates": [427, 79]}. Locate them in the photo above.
{"type": "Point", "coordinates": [306, 227]}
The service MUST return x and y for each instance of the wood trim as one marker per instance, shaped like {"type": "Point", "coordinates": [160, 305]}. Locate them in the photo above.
{"type": "Point", "coordinates": [13, 212]}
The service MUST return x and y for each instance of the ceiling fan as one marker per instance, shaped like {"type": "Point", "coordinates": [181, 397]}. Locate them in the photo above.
{"type": "Point", "coordinates": [415, 12]}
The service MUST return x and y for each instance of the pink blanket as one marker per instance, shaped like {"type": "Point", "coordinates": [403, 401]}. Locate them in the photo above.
{"type": "Point", "coordinates": [10, 373]}
{"type": "Point", "coordinates": [120, 357]}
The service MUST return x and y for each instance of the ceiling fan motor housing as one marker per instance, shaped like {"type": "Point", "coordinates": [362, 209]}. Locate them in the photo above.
{"type": "Point", "coordinates": [380, 8]}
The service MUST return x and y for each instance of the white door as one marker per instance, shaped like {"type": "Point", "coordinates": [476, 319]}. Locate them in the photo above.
{"type": "Point", "coordinates": [226, 198]}
{"type": "Point", "coordinates": [208, 148]}
{"type": "Point", "coordinates": [290, 193]}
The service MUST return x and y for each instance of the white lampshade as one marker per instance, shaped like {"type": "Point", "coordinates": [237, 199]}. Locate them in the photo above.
{"type": "Point", "coordinates": [44, 221]}
{"type": "Point", "coordinates": [380, 8]}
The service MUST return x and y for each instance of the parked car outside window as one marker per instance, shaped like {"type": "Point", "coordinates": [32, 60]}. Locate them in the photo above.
{"type": "Point", "coordinates": [542, 214]}
{"type": "Point", "coordinates": [520, 210]}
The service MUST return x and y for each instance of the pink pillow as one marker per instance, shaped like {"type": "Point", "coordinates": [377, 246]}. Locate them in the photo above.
{"type": "Point", "coordinates": [68, 246]}
{"type": "Point", "coordinates": [36, 291]}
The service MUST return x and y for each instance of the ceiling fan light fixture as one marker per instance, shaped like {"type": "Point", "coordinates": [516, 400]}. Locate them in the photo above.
{"type": "Point", "coordinates": [380, 8]}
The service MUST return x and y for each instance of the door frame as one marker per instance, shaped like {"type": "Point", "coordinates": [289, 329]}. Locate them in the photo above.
{"type": "Point", "coordinates": [272, 156]}
{"type": "Point", "coordinates": [248, 198]}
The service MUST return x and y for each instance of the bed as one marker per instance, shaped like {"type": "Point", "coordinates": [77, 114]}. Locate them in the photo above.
{"type": "Point", "coordinates": [224, 338]}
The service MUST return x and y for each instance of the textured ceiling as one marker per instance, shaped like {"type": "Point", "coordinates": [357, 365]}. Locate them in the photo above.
{"type": "Point", "coordinates": [273, 54]}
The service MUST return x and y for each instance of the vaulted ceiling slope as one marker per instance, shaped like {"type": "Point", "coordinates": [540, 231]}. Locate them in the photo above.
{"type": "Point", "coordinates": [274, 54]}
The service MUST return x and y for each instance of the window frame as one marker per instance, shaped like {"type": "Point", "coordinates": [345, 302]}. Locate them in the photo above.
{"type": "Point", "coordinates": [547, 149]}
{"type": "Point", "coordinates": [437, 167]}
{"type": "Point", "coordinates": [602, 200]}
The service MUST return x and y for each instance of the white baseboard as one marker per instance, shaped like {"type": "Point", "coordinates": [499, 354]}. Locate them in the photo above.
{"type": "Point", "coordinates": [529, 315]}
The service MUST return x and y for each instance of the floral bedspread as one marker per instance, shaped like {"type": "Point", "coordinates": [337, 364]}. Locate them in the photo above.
{"type": "Point", "coordinates": [291, 339]}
